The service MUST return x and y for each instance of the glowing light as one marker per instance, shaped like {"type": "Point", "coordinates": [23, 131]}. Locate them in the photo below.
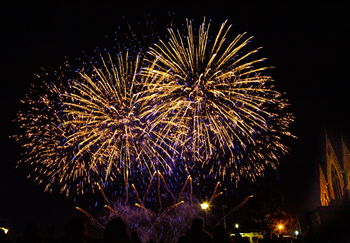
{"type": "Point", "coordinates": [204, 206]}
{"type": "Point", "coordinates": [280, 226]}
{"type": "Point", "coordinates": [236, 225]}
{"type": "Point", "coordinates": [4, 229]}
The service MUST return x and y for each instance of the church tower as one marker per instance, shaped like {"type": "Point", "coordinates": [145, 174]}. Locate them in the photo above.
{"type": "Point", "coordinates": [335, 176]}
{"type": "Point", "coordinates": [334, 213]}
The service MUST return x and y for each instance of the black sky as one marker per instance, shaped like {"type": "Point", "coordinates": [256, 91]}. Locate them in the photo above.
{"type": "Point", "coordinates": [307, 43]}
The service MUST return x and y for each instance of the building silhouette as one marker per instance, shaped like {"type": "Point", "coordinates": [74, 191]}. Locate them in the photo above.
{"type": "Point", "coordinates": [333, 215]}
{"type": "Point", "coordinates": [335, 173]}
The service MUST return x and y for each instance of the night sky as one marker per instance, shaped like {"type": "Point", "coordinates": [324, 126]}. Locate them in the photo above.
{"type": "Point", "coordinates": [307, 43]}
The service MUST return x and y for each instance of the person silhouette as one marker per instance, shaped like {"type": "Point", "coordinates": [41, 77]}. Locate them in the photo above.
{"type": "Point", "coordinates": [31, 234]}
{"type": "Point", "coordinates": [238, 237]}
{"type": "Point", "coordinates": [196, 233]}
{"type": "Point", "coordinates": [274, 238]}
{"type": "Point", "coordinates": [75, 231]}
{"type": "Point", "coordinates": [50, 237]}
{"type": "Point", "coordinates": [116, 232]}
{"type": "Point", "coordinates": [281, 239]}
{"type": "Point", "coordinates": [135, 238]}
{"type": "Point", "coordinates": [221, 235]}
{"type": "Point", "coordinates": [182, 239]}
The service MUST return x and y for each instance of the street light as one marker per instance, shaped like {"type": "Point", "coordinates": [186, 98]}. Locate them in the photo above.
{"type": "Point", "coordinates": [4, 229]}
{"type": "Point", "coordinates": [204, 207]}
{"type": "Point", "coordinates": [236, 225]}
{"type": "Point", "coordinates": [280, 227]}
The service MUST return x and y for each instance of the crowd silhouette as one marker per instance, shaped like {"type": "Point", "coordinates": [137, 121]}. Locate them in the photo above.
{"type": "Point", "coordinates": [75, 231]}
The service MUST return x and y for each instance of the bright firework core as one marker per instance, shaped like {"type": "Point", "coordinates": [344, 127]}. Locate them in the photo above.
{"type": "Point", "coordinates": [192, 106]}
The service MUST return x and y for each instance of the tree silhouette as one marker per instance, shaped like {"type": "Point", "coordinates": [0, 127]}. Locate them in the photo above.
{"type": "Point", "coordinates": [266, 213]}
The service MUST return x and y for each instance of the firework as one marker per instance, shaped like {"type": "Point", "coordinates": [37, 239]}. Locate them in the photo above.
{"type": "Point", "coordinates": [169, 223]}
{"type": "Point", "coordinates": [195, 106]}
{"type": "Point", "coordinates": [111, 130]}
{"type": "Point", "coordinates": [93, 221]}
{"type": "Point", "coordinates": [91, 128]}
{"type": "Point", "coordinates": [46, 149]}
{"type": "Point", "coordinates": [224, 104]}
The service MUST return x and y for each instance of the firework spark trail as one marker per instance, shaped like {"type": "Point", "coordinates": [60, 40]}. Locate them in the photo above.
{"type": "Point", "coordinates": [168, 210]}
{"type": "Point", "coordinates": [108, 204]}
{"type": "Point", "coordinates": [214, 193]}
{"type": "Point", "coordinates": [236, 208]}
{"type": "Point", "coordinates": [127, 189]}
{"type": "Point", "coordinates": [215, 190]}
{"type": "Point", "coordinates": [183, 188]}
{"type": "Point", "coordinates": [112, 210]}
{"type": "Point", "coordinates": [148, 211]}
{"type": "Point", "coordinates": [103, 195]}
{"type": "Point", "coordinates": [148, 188]}
{"type": "Point", "coordinates": [214, 196]}
{"type": "Point", "coordinates": [137, 194]}
{"type": "Point", "coordinates": [164, 213]}
{"type": "Point", "coordinates": [166, 186]}
{"type": "Point", "coordinates": [93, 221]}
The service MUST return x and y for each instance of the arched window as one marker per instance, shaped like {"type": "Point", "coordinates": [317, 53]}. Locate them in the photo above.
{"type": "Point", "coordinates": [338, 192]}
{"type": "Point", "coordinates": [325, 201]}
